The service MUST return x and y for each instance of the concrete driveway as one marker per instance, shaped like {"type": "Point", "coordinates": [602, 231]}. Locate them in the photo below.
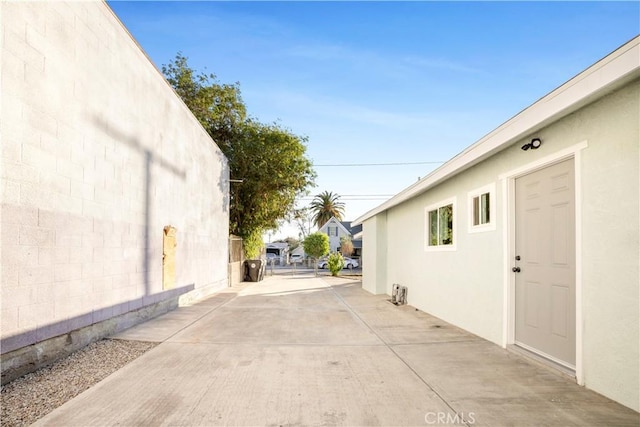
{"type": "Point", "coordinates": [300, 350]}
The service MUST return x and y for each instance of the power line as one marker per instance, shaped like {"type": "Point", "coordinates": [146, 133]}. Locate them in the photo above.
{"type": "Point", "coordinates": [380, 199]}
{"type": "Point", "coordinates": [355, 195]}
{"type": "Point", "coordinates": [379, 164]}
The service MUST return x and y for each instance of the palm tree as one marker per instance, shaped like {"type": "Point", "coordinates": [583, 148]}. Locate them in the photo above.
{"type": "Point", "coordinates": [324, 206]}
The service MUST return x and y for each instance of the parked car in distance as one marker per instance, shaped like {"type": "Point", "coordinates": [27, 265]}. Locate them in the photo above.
{"type": "Point", "coordinates": [322, 262]}
{"type": "Point", "coordinates": [272, 257]}
{"type": "Point", "coordinates": [296, 258]}
{"type": "Point", "coordinates": [349, 263]}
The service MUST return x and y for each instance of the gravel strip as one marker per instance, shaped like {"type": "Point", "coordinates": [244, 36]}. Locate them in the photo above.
{"type": "Point", "coordinates": [31, 397]}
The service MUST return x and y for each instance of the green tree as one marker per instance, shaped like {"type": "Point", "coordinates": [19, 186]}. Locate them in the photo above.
{"type": "Point", "coordinates": [270, 160]}
{"type": "Point", "coordinates": [218, 107]}
{"type": "Point", "coordinates": [316, 245]}
{"type": "Point", "coordinates": [274, 171]}
{"type": "Point", "coordinates": [324, 206]}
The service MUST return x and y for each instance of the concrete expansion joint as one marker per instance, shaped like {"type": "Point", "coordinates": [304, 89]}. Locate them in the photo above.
{"type": "Point", "coordinates": [206, 313]}
{"type": "Point", "coordinates": [282, 344]}
{"type": "Point", "coordinates": [265, 366]}
{"type": "Point", "coordinates": [391, 349]}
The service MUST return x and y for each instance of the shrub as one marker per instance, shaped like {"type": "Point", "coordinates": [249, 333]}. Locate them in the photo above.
{"type": "Point", "coordinates": [335, 263]}
{"type": "Point", "coordinates": [253, 245]}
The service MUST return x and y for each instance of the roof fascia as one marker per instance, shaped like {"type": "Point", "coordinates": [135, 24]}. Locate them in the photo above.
{"type": "Point", "coordinates": [326, 224]}
{"type": "Point", "coordinates": [335, 221]}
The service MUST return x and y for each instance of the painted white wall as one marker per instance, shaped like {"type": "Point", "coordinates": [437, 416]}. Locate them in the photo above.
{"type": "Point", "coordinates": [98, 155]}
{"type": "Point", "coordinates": [611, 246]}
{"type": "Point", "coordinates": [374, 253]}
{"type": "Point", "coordinates": [370, 257]}
{"type": "Point", "coordinates": [465, 286]}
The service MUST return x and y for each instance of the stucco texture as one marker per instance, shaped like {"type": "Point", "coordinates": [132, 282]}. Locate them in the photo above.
{"type": "Point", "coordinates": [611, 247]}
{"type": "Point", "coordinates": [466, 286]}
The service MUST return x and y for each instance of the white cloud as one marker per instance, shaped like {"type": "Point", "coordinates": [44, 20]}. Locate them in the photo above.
{"type": "Point", "coordinates": [336, 109]}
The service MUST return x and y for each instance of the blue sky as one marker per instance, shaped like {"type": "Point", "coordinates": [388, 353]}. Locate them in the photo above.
{"type": "Point", "coordinates": [383, 82]}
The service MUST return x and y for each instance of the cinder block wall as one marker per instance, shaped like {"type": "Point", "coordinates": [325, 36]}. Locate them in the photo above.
{"type": "Point", "coordinates": [98, 156]}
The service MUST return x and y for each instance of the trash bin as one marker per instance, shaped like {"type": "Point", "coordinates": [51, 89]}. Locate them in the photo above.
{"type": "Point", "coordinates": [253, 270]}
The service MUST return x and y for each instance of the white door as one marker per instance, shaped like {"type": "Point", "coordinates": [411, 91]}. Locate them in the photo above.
{"type": "Point", "coordinates": [544, 265]}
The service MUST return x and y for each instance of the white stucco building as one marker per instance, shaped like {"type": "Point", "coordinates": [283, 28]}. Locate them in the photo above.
{"type": "Point", "coordinates": [529, 238]}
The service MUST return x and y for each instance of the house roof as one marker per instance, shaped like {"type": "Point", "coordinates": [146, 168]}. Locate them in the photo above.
{"type": "Point", "coordinates": [603, 77]}
{"type": "Point", "coordinates": [277, 245]}
{"type": "Point", "coordinates": [333, 220]}
{"type": "Point", "coordinates": [353, 230]}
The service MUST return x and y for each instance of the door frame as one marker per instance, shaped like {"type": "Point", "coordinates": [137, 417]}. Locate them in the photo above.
{"type": "Point", "coordinates": [507, 181]}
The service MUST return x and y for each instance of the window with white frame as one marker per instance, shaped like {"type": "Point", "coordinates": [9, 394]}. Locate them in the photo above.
{"type": "Point", "coordinates": [332, 231]}
{"type": "Point", "coordinates": [482, 211]}
{"type": "Point", "coordinates": [440, 226]}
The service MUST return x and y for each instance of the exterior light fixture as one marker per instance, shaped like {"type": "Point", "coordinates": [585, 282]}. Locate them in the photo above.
{"type": "Point", "coordinates": [534, 144]}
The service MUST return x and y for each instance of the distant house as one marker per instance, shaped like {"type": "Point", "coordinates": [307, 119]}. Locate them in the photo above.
{"type": "Point", "coordinates": [299, 250]}
{"type": "Point", "coordinates": [530, 237]}
{"type": "Point", "coordinates": [280, 250]}
{"type": "Point", "coordinates": [338, 229]}
{"type": "Point", "coordinates": [356, 237]}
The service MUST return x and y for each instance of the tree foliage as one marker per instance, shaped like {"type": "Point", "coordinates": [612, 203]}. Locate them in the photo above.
{"type": "Point", "coordinates": [291, 241]}
{"type": "Point", "coordinates": [253, 244]}
{"type": "Point", "coordinates": [218, 107]}
{"type": "Point", "coordinates": [324, 206]}
{"type": "Point", "coordinates": [270, 160]}
{"type": "Point", "coordinates": [335, 263]}
{"type": "Point", "coordinates": [316, 245]}
{"type": "Point", "coordinates": [346, 246]}
{"type": "Point", "coordinates": [272, 164]}
{"type": "Point", "coordinates": [303, 219]}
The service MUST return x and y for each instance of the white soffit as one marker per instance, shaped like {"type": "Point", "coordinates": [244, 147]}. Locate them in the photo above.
{"type": "Point", "coordinates": [606, 75]}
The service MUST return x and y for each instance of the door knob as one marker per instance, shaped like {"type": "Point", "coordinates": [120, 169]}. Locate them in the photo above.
{"type": "Point", "coordinates": [516, 269]}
